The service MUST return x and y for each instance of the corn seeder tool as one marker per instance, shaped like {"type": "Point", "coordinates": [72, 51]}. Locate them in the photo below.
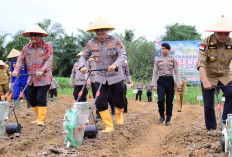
{"type": "Point", "coordinates": [10, 128]}
{"type": "Point", "coordinates": [76, 119]}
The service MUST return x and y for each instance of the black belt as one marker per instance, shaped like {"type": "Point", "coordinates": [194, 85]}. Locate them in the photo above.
{"type": "Point", "coordinates": [166, 77]}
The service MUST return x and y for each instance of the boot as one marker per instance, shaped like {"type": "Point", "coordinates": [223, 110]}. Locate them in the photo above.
{"type": "Point", "coordinates": [28, 104]}
{"type": "Point", "coordinates": [107, 121]}
{"type": "Point", "coordinates": [41, 115]}
{"type": "Point", "coordinates": [125, 109]}
{"type": "Point", "coordinates": [98, 118]}
{"type": "Point", "coordinates": [119, 116]}
{"type": "Point", "coordinates": [36, 112]}
{"type": "Point", "coordinates": [161, 120]}
{"type": "Point", "coordinates": [168, 121]}
{"type": "Point", "coordinates": [17, 106]}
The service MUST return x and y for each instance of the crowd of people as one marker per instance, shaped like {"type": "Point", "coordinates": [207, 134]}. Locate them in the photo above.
{"type": "Point", "coordinates": [108, 53]}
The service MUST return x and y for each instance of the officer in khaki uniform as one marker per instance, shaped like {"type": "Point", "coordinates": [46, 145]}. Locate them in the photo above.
{"type": "Point", "coordinates": [215, 55]}
{"type": "Point", "coordinates": [4, 79]}
{"type": "Point", "coordinates": [91, 64]}
{"type": "Point", "coordinates": [80, 81]}
{"type": "Point", "coordinates": [180, 94]}
{"type": "Point", "coordinates": [149, 91]}
{"type": "Point", "coordinates": [109, 53]}
{"type": "Point", "coordinates": [163, 67]}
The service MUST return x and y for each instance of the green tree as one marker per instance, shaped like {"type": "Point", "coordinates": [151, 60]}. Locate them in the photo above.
{"type": "Point", "coordinates": [83, 38]}
{"type": "Point", "coordinates": [2, 47]}
{"type": "Point", "coordinates": [179, 32]}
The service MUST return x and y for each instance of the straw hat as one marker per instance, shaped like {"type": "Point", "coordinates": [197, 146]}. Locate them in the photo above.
{"type": "Point", "coordinates": [100, 23]}
{"type": "Point", "coordinates": [79, 54]}
{"type": "Point", "coordinates": [2, 63]}
{"type": "Point", "coordinates": [14, 53]}
{"type": "Point", "coordinates": [221, 25]}
{"type": "Point", "coordinates": [35, 29]}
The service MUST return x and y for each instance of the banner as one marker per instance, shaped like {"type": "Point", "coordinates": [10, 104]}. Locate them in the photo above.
{"type": "Point", "coordinates": [186, 53]}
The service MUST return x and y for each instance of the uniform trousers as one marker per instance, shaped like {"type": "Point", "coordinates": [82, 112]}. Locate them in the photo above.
{"type": "Point", "coordinates": [208, 98]}
{"type": "Point", "coordinates": [4, 88]}
{"type": "Point", "coordinates": [117, 92]}
{"type": "Point", "coordinates": [149, 96]}
{"type": "Point", "coordinates": [165, 88]}
{"type": "Point", "coordinates": [53, 92]}
{"type": "Point", "coordinates": [77, 89]}
{"type": "Point", "coordinates": [17, 89]}
{"type": "Point", "coordinates": [179, 98]}
{"type": "Point", "coordinates": [139, 94]}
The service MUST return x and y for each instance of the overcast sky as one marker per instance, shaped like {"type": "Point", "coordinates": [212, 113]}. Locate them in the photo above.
{"type": "Point", "coordinates": [147, 17]}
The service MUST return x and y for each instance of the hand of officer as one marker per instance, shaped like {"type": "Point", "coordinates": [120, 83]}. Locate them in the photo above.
{"type": "Point", "coordinates": [131, 84]}
{"type": "Point", "coordinates": [39, 73]}
{"type": "Point", "coordinates": [70, 85]}
{"type": "Point", "coordinates": [84, 70]}
{"type": "Point", "coordinates": [111, 68]}
{"type": "Point", "coordinates": [15, 74]}
{"type": "Point", "coordinates": [178, 87]}
{"type": "Point", "coordinates": [154, 88]}
{"type": "Point", "coordinates": [207, 85]}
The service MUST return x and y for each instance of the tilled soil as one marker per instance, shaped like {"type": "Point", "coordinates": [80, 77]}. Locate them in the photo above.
{"type": "Point", "coordinates": [141, 135]}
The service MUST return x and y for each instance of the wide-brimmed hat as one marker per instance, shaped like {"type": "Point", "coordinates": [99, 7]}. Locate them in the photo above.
{"type": "Point", "coordinates": [35, 29]}
{"type": "Point", "coordinates": [2, 63]}
{"type": "Point", "coordinates": [79, 54]}
{"type": "Point", "coordinates": [100, 23]}
{"type": "Point", "coordinates": [14, 53]}
{"type": "Point", "coordinates": [221, 25]}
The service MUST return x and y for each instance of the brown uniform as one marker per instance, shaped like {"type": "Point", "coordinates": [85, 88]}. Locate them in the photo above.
{"type": "Point", "coordinates": [4, 80]}
{"type": "Point", "coordinates": [180, 94]}
{"type": "Point", "coordinates": [216, 58]}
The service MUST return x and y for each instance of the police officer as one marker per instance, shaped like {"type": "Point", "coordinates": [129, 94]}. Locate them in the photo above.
{"type": "Point", "coordinates": [37, 55]}
{"type": "Point", "coordinates": [149, 90]}
{"type": "Point", "coordinates": [163, 71]}
{"type": "Point", "coordinates": [91, 64]}
{"type": "Point", "coordinates": [180, 94]}
{"type": "Point", "coordinates": [80, 81]}
{"type": "Point", "coordinates": [109, 53]}
{"type": "Point", "coordinates": [127, 76]}
{"type": "Point", "coordinates": [4, 79]}
{"type": "Point", "coordinates": [215, 55]}
{"type": "Point", "coordinates": [22, 81]}
{"type": "Point", "coordinates": [139, 87]}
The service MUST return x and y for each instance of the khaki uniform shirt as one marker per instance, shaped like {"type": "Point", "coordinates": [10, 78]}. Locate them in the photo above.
{"type": "Point", "coordinates": [182, 87]}
{"type": "Point", "coordinates": [139, 86]}
{"type": "Point", "coordinates": [54, 84]}
{"type": "Point", "coordinates": [91, 65]}
{"type": "Point", "coordinates": [110, 52]}
{"type": "Point", "coordinates": [4, 75]}
{"type": "Point", "coordinates": [164, 66]}
{"type": "Point", "coordinates": [76, 73]}
{"type": "Point", "coordinates": [148, 87]}
{"type": "Point", "coordinates": [216, 58]}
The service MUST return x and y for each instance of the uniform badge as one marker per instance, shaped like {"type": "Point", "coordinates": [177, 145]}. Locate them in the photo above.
{"type": "Point", "coordinates": [97, 59]}
{"type": "Point", "coordinates": [228, 47]}
{"type": "Point", "coordinates": [119, 44]}
{"type": "Point", "coordinates": [212, 59]}
{"type": "Point", "coordinates": [202, 47]}
{"type": "Point", "coordinates": [211, 43]}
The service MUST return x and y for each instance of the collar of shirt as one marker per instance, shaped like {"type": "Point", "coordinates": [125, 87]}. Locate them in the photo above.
{"type": "Point", "coordinates": [39, 45]}
{"type": "Point", "coordinates": [214, 40]}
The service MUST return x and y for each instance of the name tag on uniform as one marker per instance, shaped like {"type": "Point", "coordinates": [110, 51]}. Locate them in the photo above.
{"type": "Point", "coordinates": [212, 47]}
{"type": "Point", "coordinates": [96, 53]}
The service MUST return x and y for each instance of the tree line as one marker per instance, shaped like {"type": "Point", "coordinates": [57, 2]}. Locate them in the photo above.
{"type": "Point", "coordinates": [140, 51]}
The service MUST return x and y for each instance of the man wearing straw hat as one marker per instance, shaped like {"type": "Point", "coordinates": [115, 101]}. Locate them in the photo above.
{"type": "Point", "coordinates": [109, 53]}
{"type": "Point", "coordinates": [80, 81]}
{"type": "Point", "coordinates": [37, 55]}
{"type": "Point", "coordinates": [22, 81]}
{"type": "Point", "coordinates": [4, 79]}
{"type": "Point", "coordinates": [215, 55]}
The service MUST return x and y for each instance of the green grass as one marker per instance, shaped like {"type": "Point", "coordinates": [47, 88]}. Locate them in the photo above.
{"type": "Point", "coordinates": [191, 98]}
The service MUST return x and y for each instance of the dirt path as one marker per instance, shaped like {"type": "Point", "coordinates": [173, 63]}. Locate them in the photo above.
{"type": "Point", "coordinates": [140, 136]}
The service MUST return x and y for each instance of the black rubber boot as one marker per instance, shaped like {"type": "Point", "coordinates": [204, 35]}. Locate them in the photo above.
{"type": "Point", "coordinates": [168, 121]}
{"type": "Point", "coordinates": [161, 120]}
{"type": "Point", "coordinates": [125, 109]}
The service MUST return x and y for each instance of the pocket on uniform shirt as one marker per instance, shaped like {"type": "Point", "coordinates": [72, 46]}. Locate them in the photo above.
{"type": "Point", "coordinates": [227, 58]}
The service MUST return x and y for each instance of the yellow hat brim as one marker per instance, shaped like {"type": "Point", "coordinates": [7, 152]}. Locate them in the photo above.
{"type": "Point", "coordinates": [2, 63]}
{"type": "Point", "coordinates": [100, 23]}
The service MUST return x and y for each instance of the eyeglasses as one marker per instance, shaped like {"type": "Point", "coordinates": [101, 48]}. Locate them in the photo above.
{"type": "Point", "coordinates": [34, 34]}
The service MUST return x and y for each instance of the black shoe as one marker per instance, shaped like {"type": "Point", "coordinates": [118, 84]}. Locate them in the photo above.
{"type": "Point", "coordinates": [161, 120]}
{"type": "Point", "coordinates": [98, 118]}
{"type": "Point", "coordinates": [112, 113]}
{"type": "Point", "coordinates": [168, 122]}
